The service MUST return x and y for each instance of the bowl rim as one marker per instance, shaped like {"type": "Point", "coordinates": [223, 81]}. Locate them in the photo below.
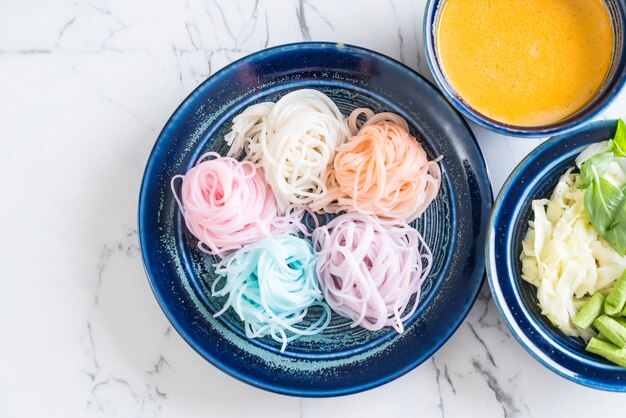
{"type": "Point", "coordinates": [520, 335]}
{"type": "Point", "coordinates": [167, 311]}
{"type": "Point", "coordinates": [557, 128]}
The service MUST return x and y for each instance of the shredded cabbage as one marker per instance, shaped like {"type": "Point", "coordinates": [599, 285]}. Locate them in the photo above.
{"type": "Point", "coordinates": [563, 256]}
{"type": "Point", "coordinates": [591, 150]}
{"type": "Point", "coordinates": [616, 174]}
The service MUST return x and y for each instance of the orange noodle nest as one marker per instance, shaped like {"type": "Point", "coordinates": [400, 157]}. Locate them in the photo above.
{"type": "Point", "coordinates": [382, 170]}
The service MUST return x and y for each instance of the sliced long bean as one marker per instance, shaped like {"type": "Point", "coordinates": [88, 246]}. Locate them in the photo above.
{"type": "Point", "coordinates": [592, 309]}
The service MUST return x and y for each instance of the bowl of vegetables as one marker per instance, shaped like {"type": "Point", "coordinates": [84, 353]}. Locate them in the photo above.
{"type": "Point", "coordinates": [555, 254]}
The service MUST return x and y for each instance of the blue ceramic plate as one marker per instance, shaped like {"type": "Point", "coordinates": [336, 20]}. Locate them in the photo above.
{"type": "Point", "coordinates": [338, 361]}
{"type": "Point", "coordinates": [535, 178]}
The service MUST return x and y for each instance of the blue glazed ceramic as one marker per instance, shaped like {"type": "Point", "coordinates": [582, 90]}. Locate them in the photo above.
{"type": "Point", "coordinates": [535, 178]}
{"type": "Point", "coordinates": [338, 361]}
{"type": "Point", "coordinates": [608, 91]}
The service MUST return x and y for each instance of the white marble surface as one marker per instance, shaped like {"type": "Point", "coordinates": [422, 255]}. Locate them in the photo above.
{"type": "Point", "coordinates": [85, 88]}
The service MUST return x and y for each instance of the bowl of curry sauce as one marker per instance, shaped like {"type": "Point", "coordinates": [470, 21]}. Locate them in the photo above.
{"type": "Point", "coordinates": [527, 67]}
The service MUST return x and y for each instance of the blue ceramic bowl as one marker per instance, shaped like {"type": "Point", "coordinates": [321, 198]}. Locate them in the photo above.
{"type": "Point", "coordinates": [535, 178]}
{"type": "Point", "coordinates": [343, 360]}
{"type": "Point", "coordinates": [614, 82]}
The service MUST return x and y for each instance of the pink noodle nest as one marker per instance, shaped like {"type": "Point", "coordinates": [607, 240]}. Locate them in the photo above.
{"type": "Point", "coordinates": [228, 204]}
{"type": "Point", "coordinates": [371, 271]}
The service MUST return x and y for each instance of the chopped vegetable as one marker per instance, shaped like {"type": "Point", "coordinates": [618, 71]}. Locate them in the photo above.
{"type": "Point", "coordinates": [616, 300]}
{"type": "Point", "coordinates": [611, 329]}
{"type": "Point", "coordinates": [589, 312]}
{"type": "Point", "coordinates": [564, 257]}
{"type": "Point", "coordinates": [607, 350]}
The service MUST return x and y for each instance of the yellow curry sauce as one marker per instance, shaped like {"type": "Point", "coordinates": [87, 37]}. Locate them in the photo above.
{"type": "Point", "coordinates": [525, 62]}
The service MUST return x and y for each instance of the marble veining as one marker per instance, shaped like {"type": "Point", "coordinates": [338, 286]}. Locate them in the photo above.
{"type": "Point", "coordinates": [86, 87]}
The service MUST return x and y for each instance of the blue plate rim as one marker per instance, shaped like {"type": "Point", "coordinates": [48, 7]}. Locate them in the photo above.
{"type": "Point", "coordinates": [172, 318]}
{"type": "Point", "coordinates": [492, 274]}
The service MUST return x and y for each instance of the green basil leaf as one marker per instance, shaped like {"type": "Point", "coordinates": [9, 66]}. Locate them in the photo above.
{"type": "Point", "coordinates": [606, 206]}
{"type": "Point", "coordinates": [594, 167]}
{"type": "Point", "coordinates": [616, 234]}
{"type": "Point", "coordinates": [602, 201]}
{"type": "Point", "coordinates": [616, 238]}
{"type": "Point", "coordinates": [618, 145]}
